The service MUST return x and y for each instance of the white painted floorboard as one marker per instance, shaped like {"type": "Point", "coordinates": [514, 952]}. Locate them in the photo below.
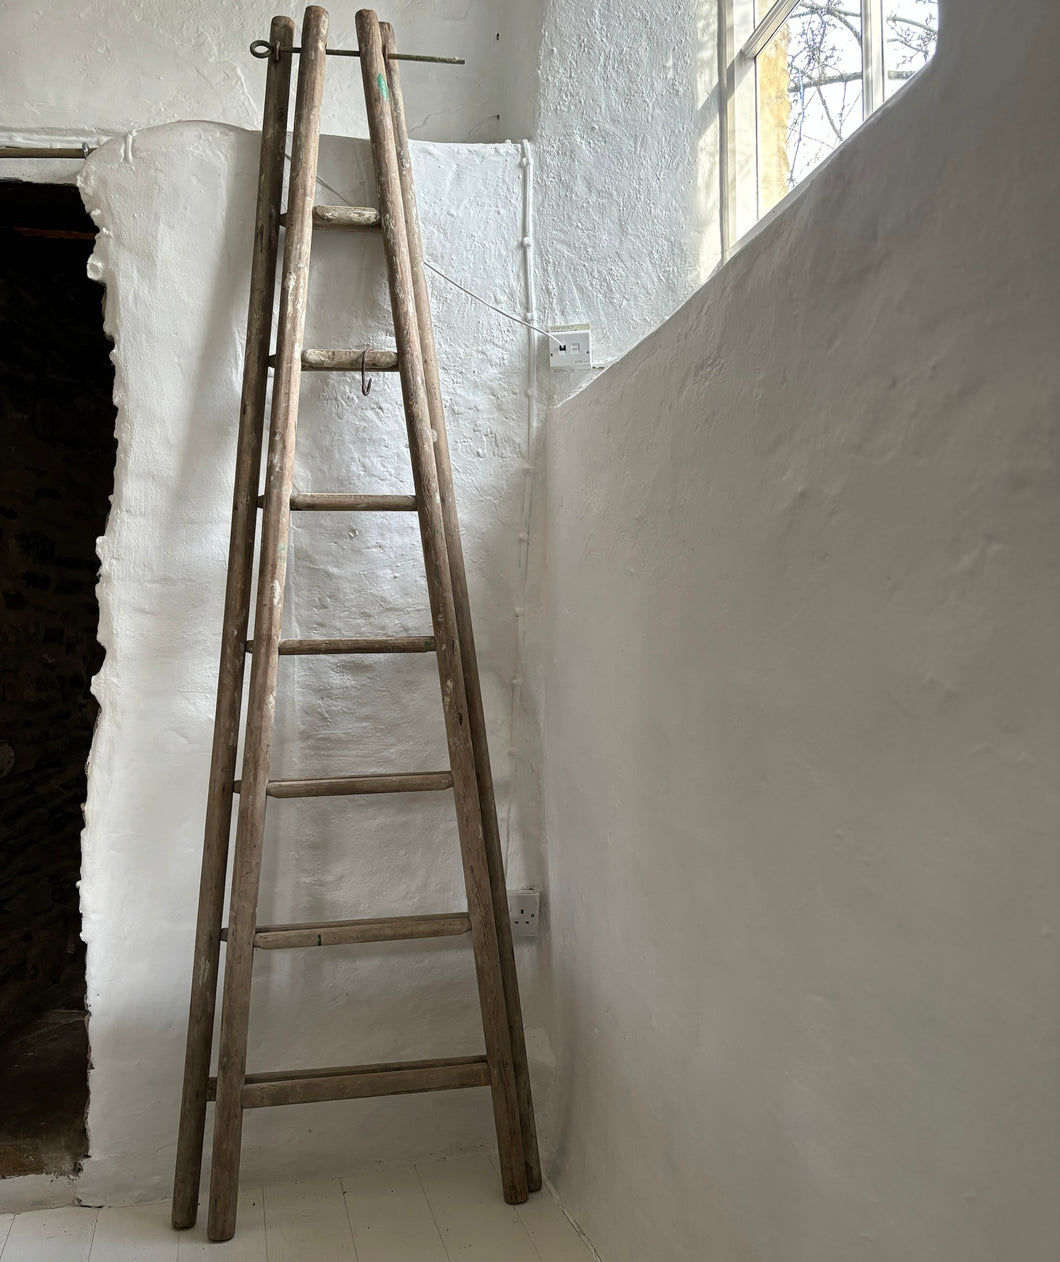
{"type": "Point", "coordinates": [51, 1235]}
{"type": "Point", "coordinates": [307, 1220]}
{"type": "Point", "coordinates": [138, 1233]}
{"type": "Point", "coordinates": [552, 1235]}
{"type": "Point", "coordinates": [472, 1217]}
{"type": "Point", "coordinates": [439, 1211]}
{"type": "Point", "coordinates": [390, 1217]}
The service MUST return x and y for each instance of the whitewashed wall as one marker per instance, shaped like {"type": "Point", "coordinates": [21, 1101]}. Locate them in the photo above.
{"type": "Point", "coordinates": [76, 70]}
{"type": "Point", "coordinates": [800, 610]}
{"type": "Point", "coordinates": [802, 699]}
{"type": "Point", "coordinates": [175, 209]}
{"type": "Point", "coordinates": [626, 142]}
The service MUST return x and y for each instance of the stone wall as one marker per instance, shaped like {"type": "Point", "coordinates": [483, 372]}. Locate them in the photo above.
{"type": "Point", "coordinates": [56, 472]}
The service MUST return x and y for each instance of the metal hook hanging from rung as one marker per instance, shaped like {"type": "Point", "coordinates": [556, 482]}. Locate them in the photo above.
{"type": "Point", "coordinates": [366, 382]}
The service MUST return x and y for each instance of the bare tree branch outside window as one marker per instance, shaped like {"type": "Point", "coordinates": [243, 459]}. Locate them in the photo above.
{"type": "Point", "coordinates": [810, 82]}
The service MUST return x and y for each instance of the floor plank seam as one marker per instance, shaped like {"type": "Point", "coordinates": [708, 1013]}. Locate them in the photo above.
{"type": "Point", "coordinates": [92, 1238]}
{"type": "Point", "coordinates": [574, 1225]}
{"type": "Point", "coordinates": [526, 1232]}
{"type": "Point", "coordinates": [382, 1219]}
{"type": "Point", "coordinates": [264, 1221]}
{"type": "Point", "coordinates": [349, 1222]}
{"type": "Point", "coordinates": [434, 1216]}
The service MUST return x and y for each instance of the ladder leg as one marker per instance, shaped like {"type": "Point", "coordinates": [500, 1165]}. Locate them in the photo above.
{"type": "Point", "coordinates": [465, 631]}
{"type": "Point", "coordinates": [439, 583]}
{"type": "Point", "coordinates": [233, 654]}
{"type": "Point", "coordinates": [268, 614]}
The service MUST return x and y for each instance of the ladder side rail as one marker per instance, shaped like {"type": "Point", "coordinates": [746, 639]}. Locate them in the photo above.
{"type": "Point", "coordinates": [268, 616]}
{"type": "Point", "coordinates": [465, 631]}
{"type": "Point", "coordinates": [236, 613]}
{"type": "Point", "coordinates": [443, 613]}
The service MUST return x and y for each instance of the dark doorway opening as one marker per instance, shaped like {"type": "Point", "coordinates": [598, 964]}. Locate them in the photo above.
{"type": "Point", "coordinates": [57, 451]}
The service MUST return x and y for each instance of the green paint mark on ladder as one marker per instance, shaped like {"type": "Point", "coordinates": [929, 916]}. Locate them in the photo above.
{"type": "Point", "coordinates": [381, 80]}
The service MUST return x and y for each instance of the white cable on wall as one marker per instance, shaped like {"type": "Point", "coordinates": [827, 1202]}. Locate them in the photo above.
{"type": "Point", "coordinates": [508, 315]}
{"type": "Point", "coordinates": [527, 163]}
{"type": "Point", "coordinates": [499, 310]}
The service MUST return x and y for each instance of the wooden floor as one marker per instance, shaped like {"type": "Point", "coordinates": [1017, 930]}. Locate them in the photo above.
{"type": "Point", "coordinates": [441, 1211]}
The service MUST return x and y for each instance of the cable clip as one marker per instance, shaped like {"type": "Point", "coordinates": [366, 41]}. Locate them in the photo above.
{"type": "Point", "coordinates": [366, 383]}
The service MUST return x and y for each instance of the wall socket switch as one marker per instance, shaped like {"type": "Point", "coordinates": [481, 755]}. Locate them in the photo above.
{"type": "Point", "coordinates": [570, 346]}
{"type": "Point", "coordinates": [524, 908]}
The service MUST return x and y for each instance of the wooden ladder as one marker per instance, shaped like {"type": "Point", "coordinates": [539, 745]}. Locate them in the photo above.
{"type": "Point", "coordinates": [503, 1067]}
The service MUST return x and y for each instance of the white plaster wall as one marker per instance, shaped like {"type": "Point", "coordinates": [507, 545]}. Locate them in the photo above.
{"type": "Point", "coordinates": [803, 600]}
{"type": "Point", "coordinates": [619, 99]}
{"type": "Point", "coordinates": [175, 209]}
{"type": "Point", "coordinates": [627, 180]}
{"type": "Point", "coordinates": [76, 70]}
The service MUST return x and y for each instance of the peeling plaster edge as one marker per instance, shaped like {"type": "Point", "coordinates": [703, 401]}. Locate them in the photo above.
{"type": "Point", "coordinates": [100, 269]}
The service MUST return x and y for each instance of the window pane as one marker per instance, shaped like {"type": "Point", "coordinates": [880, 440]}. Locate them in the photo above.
{"type": "Point", "coordinates": [809, 92]}
{"type": "Point", "coordinates": [911, 32]}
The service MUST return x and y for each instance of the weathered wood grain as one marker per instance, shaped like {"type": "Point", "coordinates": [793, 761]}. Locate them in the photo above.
{"type": "Point", "coordinates": [268, 615]}
{"type": "Point", "coordinates": [439, 584]}
{"type": "Point", "coordinates": [345, 932]}
{"type": "Point", "coordinates": [348, 786]}
{"type": "Point", "coordinates": [236, 612]}
{"type": "Point", "coordinates": [342, 359]}
{"type": "Point", "coordinates": [329, 502]}
{"type": "Point", "coordinates": [465, 630]}
{"type": "Point", "coordinates": [356, 1082]}
{"type": "Point", "coordinates": [363, 644]}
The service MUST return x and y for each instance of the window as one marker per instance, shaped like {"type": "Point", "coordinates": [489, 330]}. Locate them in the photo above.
{"type": "Point", "coordinates": [802, 76]}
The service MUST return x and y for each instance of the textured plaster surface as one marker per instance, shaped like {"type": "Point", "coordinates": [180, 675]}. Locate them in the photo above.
{"type": "Point", "coordinates": [802, 697]}
{"type": "Point", "coordinates": [620, 100]}
{"type": "Point", "coordinates": [135, 63]}
{"type": "Point", "coordinates": [174, 205]}
{"type": "Point", "coordinates": [627, 182]}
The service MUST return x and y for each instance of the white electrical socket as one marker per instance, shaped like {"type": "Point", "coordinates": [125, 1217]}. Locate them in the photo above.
{"type": "Point", "coordinates": [524, 908]}
{"type": "Point", "coordinates": [572, 346]}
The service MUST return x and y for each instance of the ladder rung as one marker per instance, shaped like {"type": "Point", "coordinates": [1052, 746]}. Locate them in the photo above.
{"type": "Point", "coordinates": [343, 217]}
{"type": "Point", "coordinates": [344, 932]}
{"type": "Point", "coordinates": [342, 359]}
{"type": "Point", "coordinates": [342, 786]}
{"type": "Point", "coordinates": [331, 503]}
{"type": "Point", "coordinates": [353, 503]}
{"type": "Point", "coordinates": [352, 1082]}
{"type": "Point", "coordinates": [346, 217]}
{"type": "Point", "coordinates": [378, 644]}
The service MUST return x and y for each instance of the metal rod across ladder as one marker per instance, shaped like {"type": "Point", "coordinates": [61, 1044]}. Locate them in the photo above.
{"type": "Point", "coordinates": [503, 1067]}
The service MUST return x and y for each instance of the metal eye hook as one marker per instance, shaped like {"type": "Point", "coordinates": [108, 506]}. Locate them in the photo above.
{"type": "Point", "coordinates": [366, 384]}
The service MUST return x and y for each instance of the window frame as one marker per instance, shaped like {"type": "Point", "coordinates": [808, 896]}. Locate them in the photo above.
{"type": "Point", "coordinates": [740, 41]}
